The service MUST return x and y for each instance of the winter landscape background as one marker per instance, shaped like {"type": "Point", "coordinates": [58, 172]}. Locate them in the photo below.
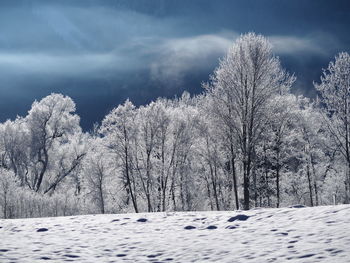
{"type": "Point", "coordinates": [203, 133]}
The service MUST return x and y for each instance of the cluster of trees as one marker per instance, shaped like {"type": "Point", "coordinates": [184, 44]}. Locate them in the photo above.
{"type": "Point", "coordinates": [246, 141]}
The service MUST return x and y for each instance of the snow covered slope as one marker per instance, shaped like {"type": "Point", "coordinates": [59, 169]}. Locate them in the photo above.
{"type": "Point", "coordinates": [319, 234]}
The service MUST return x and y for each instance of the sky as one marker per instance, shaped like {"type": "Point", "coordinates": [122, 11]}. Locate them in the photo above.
{"type": "Point", "coordinates": [101, 52]}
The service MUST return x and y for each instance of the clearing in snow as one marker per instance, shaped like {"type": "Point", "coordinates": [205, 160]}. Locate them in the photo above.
{"type": "Point", "coordinates": [320, 234]}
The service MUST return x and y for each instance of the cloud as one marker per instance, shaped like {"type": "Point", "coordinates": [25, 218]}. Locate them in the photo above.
{"type": "Point", "coordinates": [168, 59]}
{"type": "Point", "coordinates": [178, 56]}
{"type": "Point", "coordinates": [83, 41]}
{"type": "Point", "coordinates": [56, 64]}
{"type": "Point", "coordinates": [294, 45]}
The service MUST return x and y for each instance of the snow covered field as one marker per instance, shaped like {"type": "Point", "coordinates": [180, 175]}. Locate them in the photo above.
{"type": "Point", "coordinates": [319, 234]}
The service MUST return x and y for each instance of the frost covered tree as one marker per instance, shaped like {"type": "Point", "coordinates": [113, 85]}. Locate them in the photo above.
{"type": "Point", "coordinates": [44, 151]}
{"type": "Point", "coordinates": [184, 123]}
{"type": "Point", "coordinates": [7, 192]}
{"type": "Point", "coordinates": [119, 129]}
{"type": "Point", "coordinates": [51, 123]}
{"type": "Point", "coordinates": [217, 158]}
{"type": "Point", "coordinates": [335, 96]}
{"type": "Point", "coordinates": [312, 147]}
{"type": "Point", "coordinates": [98, 176]}
{"type": "Point", "coordinates": [246, 79]}
{"type": "Point", "coordinates": [150, 119]}
{"type": "Point", "coordinates": [14, 146]}
{"type": "Point", "coordinates": [45, 147]}
{"type": "Point", "coordinates": [275, 150]}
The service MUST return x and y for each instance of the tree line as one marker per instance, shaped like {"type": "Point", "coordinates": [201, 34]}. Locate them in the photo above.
{"type": "Point", "coordinates": [245, 142]}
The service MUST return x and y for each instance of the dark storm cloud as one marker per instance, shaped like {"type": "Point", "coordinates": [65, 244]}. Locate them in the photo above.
{"type": "Point", "coordinates": [101, 52]}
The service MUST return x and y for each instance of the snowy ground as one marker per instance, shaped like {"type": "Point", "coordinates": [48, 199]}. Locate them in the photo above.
{"type": "Point", "coordinates": [267, 235]}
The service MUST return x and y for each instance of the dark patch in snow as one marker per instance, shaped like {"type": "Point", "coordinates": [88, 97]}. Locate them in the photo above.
{"type": "Point", "coordinates": [115, 220]}
{"type": "Point", "coordinates": [231, 227]}
{"type": "Point", "coordinates": [238, 217]}
{"type": "Point", "coordinates": [212, 227]}
{"type": "Point", "coordinates": [307, 256]}
{"type": "Point", "coordinates": [336, 252]}
{"type": "Point", "coordinates": [142, 220]}
{"type": "Point", "coordinates": [282, 234]}
{"type": "Point", "coordinates": [43, 229]}
{"type": "Point", "coordinates": [4, 250]}
{"type": "Point", "coordinates": [169, 259]}
{"type": "Point", "coordinates": [121, 255]}
{"type": "Point", "coordinates": [293, 241]}
{"type": "Point", "coordinates": [189, 227]}
{"type": "Point", "coordinates": [45, 258]}
{"type": "Point", "coordinates": [297, 206]}
{"type": "Point", "coordinates": [14, 229]}
{"type": "Point", "coordinates": [273, 230]}
{"type": "Point", "coordinates": [71, 256]}
{"type": "Point", "coordinates": [154, 255]}
{"type": "Point", "coordinates": [200, 219]}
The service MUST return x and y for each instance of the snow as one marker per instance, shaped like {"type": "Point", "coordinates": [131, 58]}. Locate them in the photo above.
{"type": "Point", "coordinates": [320, 234]}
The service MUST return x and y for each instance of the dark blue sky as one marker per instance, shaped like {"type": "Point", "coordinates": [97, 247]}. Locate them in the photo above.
{"type": "Point", "coordinates": [102, 52]}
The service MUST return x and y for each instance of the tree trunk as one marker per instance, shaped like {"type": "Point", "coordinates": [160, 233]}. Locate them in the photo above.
{"type": "Point", "coordinates": [43, 169]}
{"type": "Point", "coordinates": [233, 169]}
{"type": "Point", "coordinates": [278, 179]}
{"type": "Point", "coordinates": [5, 204]}
{"type": "Point", "coordinates": [209, 193]}
{"type": "Point", "coordinates": [102, 200]}
{"type": "Point", "coordinates": [278, 186]}
{"type": "Point", "coordinates": [213, 183]}
{"type": "Point", "coordinates": [127, 173]}
{"type": "Point", "coordinates": [173, 194]}
{"type": "Point", "coordinates": [315, 184]}
{"type": "Point", "coordinates": [310, 185]}
{"type": "Point", "coordinates": [148, 174]}
{"type": "Point", "coordinates": [255, 189]}
{"type": "Point", "coordinates": [246, 185]}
